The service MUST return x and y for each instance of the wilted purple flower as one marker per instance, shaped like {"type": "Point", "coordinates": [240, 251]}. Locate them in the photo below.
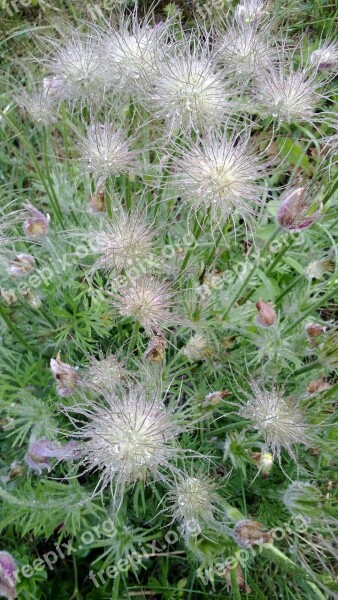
{"type": "Point", "coordinates": [298, 209]}
{"type": "Point", "coordinates": [36, 223]}
{"type": "Point", "coordinates": [266, 314]}
{"type": "Point", "coordinates": [40, 451]}
{"type": "Point", "coordinates": [21, 265]}
{"type": "Point", "coordinates": [325, 57]}
{"type": "Point", "coordinates": [66, 376]}
{"type": "Point", "coordinates": [8, 575]}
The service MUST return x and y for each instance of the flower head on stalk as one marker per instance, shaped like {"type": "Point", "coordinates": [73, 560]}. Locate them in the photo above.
{"type": "Point", "coordinates": [39, 104]}
{"type": "Point", "coordinates": [189, 91]}
{"type": "Point", "coordinates": [221, 173]}
{"type": "Point", "coordinates": [149, 302]}
{"type": "Point", "coordinates": [280, 420]}
{"type": "Point", "coordinates": [250, 12]}
{"type": "Point", "coordinates": [132, 53]}
{"type": "Point", "coordinates": [103, 373]}
{"type": "Point", "coordinates": [287, 93]}
{"type": "Point", "coordinates": [106, 150]}
{"type": "Point", "coordinates": [244, 50]}
{"type": "Point", "coordinates": [193, 502]}
{"type": "Point", "coordinates": [325, 57]}
{"type": "Point", "coordinates": [36, 223]}
{"type": "Point", "coordinates": [132, 436]}
{"type": "Point", "coordinates": [123, 242]}
{"type": "Point", "coordinates": [75, 67]}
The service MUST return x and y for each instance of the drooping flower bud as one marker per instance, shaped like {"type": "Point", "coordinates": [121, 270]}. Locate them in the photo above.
{"type": "Point", "coordinates": [297, 211]}
{"type": "Point", "coordinates": [318, 385]}
{"type": "Point", "coordinates": [266, 314]}
{"type": "Point", "coordinates": [318, 268]}
{"type": "Point", "coordinates": [249, 533]}
{"type": "Point", "coordinates": [215, 398]}
{"type": "Point", "coordinates": [8, 575]}
{"type": "Point", "coordinates": [314, 330]}
{"type": "Point", "coordinates": [97, 202]}
{"type": "Point", "coordinates": [155, 352]}
{"type": "Point", "coordinates": [264, 462]}
{"type": "Point", "coordinates": [40, 451]}
{"type": "Point", "coordinates": [239, 578]}
{"type": "Point", "coordinates": [326, 57]}
{"type": "Point", "coordinates": [66, 376]}
{"type": "Point", "coordinates": [36, 223]}
{"type": "Point", "coordinates": [21, 265]}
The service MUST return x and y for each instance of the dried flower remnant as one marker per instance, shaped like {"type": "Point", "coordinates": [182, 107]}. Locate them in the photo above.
{"type": "Point", "coordinates": [222, 175]}
{"type": "Point", "coordinates": [22, 264]}
{"type": "Point", "coordinates": [266, 314]}
{"type": "Point", "coordinates": [106, 151]}
{"type": "Point", "coordinates": [325, 57]}
{"type": "Point", "coordinates": [66, 377]}
{"type": "Point", "coordinates": [97, 202]}
{"type": "Point", "coordinates": [314, 331]}
{"type": "Point", "coordinates": [318, 385]}
{"type": "Point", "coordinates": [318, 268]}
{"type": "Point", "coordinates": [249, 533]}
{"type": "Point", "coordinates": [8, 575]}
{"type": "Point", "coordinates": [36, 223]}
{"type": "Point", "coordinates": [131, 437]}
{"type": "Point", "coordinates": [193, 502]}
{"type": "Point", "coordinates": [104, 373]}
{"type": "Point", "coordinates": [123, 242]}
{"type": "Point", "coordinates": [40, 451]}
{"type": "Point", "coordinates": [279, 420]}
{"type": "Point", "coordinates": [189, 92]}
{"type": "Point", "coordinates": [215, 398]}
{"type": "Point", "coordinates": [197, 348]}
{"type": "Point", "coordinates": [148, 301]}
{"type": "Point", "coordinates": [298, 209]}
{"type": "Point", "coordinates": [155, 353]}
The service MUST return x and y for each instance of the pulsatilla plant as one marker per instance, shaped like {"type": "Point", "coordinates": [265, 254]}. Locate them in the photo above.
{"type": "Point", "coordinates": [168, 278]}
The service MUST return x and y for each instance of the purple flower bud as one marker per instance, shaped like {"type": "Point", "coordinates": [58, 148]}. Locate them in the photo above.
{"type": "Point", "coordinates": [8, 574]}
{"type": "Point", "coordinates": [36, 223]}
{"type": "Point", "coordinates": [66, 376]}
{"type": "Point", "coordinates": [296, 212]}
{"type": "Point", "coordinates": [21, 265]}
{"type": "Point", "coordinates": [40, 451]}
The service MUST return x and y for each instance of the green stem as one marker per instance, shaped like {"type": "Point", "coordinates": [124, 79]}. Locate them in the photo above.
{"type": "Point", "coordinates": [252, 271]}
{"type": "Point", "coordinates": [288, 289]}
{"type": "Point", "coordinates": [197, 230]}
{"type": "Point", "coordinates": [133, 339]}
{"type": "Point", "coordinates": [15, 331]}
{"type": "Point", "coordinates": [53, 196]}
{"type": "Point", "coordinates": [116, 587]}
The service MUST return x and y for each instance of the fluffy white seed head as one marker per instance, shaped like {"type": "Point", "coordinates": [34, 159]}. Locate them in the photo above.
{"type": "Point", "coordinates": [249, 12]}
{"type": "Point", "coordinates": [76, 64]}
{"type": "Point", "coordinates": [148, 301]}
{"type": "Point", "coordinates": [103, 373]}
{"type": "Point", "coordinates": [106, 151]}
{"type": "Point", "coordinates": [193, 502]}
{"type": "Point", "coordinates": [39, 104]}
{"type": "Point", "coordinates": [132, 53]}
{"type": "Point", "coordinates": [280, 420]}
{"type": "Point", "coordinates": [131, 437]}
{"type": "Point", "coordinates": [124, 241]}
{"type": "Point", "coordinates": [222, 175]}
{"type": "Point", "coordinates": [286, 93]}
{"type": "Point", "coordinates": [189, 92]}
{"type": "Point", "coordinates": [245, 51]}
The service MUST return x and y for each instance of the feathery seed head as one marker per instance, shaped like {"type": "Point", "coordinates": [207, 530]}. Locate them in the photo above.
{"type": "Point", "coordinates": [245, 51]}
{"type": "Point", "coordinates": [279, 420]}
{"type": "Point", "coordinates": [318, 268]}
{"type": "Point", "coordinates": [189, 92]}
{"type": "Point", "coordinates": [288, 94]}
{"type": "Point", "coordinates": [298, 209]}
{"type": "Point", "coordinates": [301, 497]}
{"type": "Point", "coordinates": [193, 502]}
{"type": "Point", "coordinates": [36, 223]}
{"type": "Point", "coordinates": [197, 348]}
{"type": "Point", "coordinates": [106, 151]}
{"type": "Point", "coordinates": [124, 241]}
{"type": "Point", "coordinates": [104, 373]}
{"type": "Point", "coordinates": [325, 57]}
{"type": "Point", "coordinates": [130, 437]}
{"type": "Point", "coordinates": [39, 105]}
{"type": "Point", "coordinates": [222, 175]}
{"type": "Point", "coordinates": [8, 575]}
{"type": "Point", "coordinates": [148, 301]}
{"type": "Point", "coordinates": [133, 53]}
{"type": "Point", "coordinates": [77, 71]}
{"type": "Point", "coordinates": [249, 12]}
